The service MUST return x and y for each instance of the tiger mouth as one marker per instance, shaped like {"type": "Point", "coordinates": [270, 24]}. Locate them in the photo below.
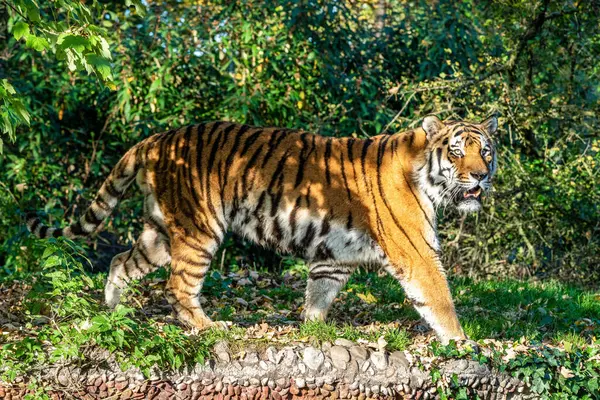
{"type": "Point", "coordinates": [473, 193]}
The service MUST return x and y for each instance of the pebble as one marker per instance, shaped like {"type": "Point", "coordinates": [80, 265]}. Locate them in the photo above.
{"type": "Point", "coordinates": [359, 352]}
{"type": "Point", "coordinates": [313, 358]}
{"type": "Point", "coordinates": [379, 360]}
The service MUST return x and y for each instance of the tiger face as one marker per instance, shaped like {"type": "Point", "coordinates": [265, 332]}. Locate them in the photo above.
{"type": "Point", "coordinates": [461, 161]}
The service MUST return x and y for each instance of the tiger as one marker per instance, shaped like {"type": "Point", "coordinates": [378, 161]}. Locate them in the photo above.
{"type": "Point", "coordinates": [338, 203]}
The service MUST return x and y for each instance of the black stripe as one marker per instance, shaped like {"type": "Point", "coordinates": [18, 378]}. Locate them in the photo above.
{"type": "Point", "coordinates": [325, 225]}
{"type": "Point", "coordinates": [146, 258]}
{"type": "Point", "coordinates": [418, 202]}
{"type": "Point", "coordinates": [211, 162]}
{"type": "Point", "coordinates": [34, 225]}
{"type": "Point", "coordinates": [166, 150]}
{"type": "Point", "coordinates": [302, 161]}
{"type": "Point", "coordinates": [249, 167]}
{"type": "Point", "coordinates": [319, 276]}
{"type": "Point", "coordinates": [43, 231]}
{"type": "Point", "coordinates": [125, 264]}
{"type": "Point", "coordinates": [229, 159]}
{"type": "Point", "coordinates": [327, 157]}
{"type": "Point", "coordinates": [250, 141]}
{"type": "Point", "coordinates": [57, 233]}
{"type": "Point", "coordinates": [76, 229]}
{"type": "Point", "coordinates": [277, 231]}
{"type": "Point", "coordinates": [182, 275]}
{"type": "Point", "coordinates": [205, 253]}
{"type": "Point", "coordinates": [156, 224]}
{"type": "Point", "coordinates": [344, 177]}
{"type": "Point", "coordinates": [102, 203]}
{"type": "Point", "coordinates": [323, 252]}
{"type": "Point", "coordinates": [279, 136]}
{"type": "Point", "coordinates": [309, 236]}
{"type": "Point", "coordinates": [278, 170]}
{"type": "Point", "coordinates": [111, 189]}
{"type": "Point", "coordinates": [91, 217]}
{"type": "Point", "coordinates": [199, 150]}
{"type": "Point", "coordinates": [195, 263]}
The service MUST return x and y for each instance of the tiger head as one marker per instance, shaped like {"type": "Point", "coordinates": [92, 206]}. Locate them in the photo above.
{"type": "Point", "coordinates": [460, 161]}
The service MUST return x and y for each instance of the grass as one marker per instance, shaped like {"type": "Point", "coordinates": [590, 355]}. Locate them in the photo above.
{"type": "Point", "coordinates": [58, 311]}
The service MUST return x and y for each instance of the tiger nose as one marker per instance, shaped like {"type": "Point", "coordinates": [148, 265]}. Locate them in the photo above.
{"type": "Point", "coordinates": [479, 175]}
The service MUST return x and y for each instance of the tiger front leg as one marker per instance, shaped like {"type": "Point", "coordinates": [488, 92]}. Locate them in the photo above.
{"type": "Point", "coordinates": [427, 287]}
{"type": "Point", "coordinates": [325, 280]}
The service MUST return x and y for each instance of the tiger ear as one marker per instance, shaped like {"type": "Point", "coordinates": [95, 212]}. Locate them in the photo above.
{"type": "Point", "coordinates": [432, 126]}
{"type": "Point", "coordinates": [490, 124]}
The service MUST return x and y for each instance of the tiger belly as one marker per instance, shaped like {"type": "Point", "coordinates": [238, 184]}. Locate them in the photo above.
{"type": "Point", "coordinates": [311, 234]}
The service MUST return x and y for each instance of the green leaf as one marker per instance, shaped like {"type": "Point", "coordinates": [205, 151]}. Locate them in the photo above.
{"type": "Point", "coordinates": [33, 12]}
{"type": "Point", "coordinates": [8, 87]}
{"type": "Point", "coordinates": [20, 111]}
{"type": "Point", "coordinates": [75, 42]}
{"type": "Point", "coordinates": [101, 65]}
{"type": "Point", "coordinates": [20, 29]}
{"type": "Point", "coordinates": [37, 43]}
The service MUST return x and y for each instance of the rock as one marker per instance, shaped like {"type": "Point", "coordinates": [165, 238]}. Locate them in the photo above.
{"type": "Point", "coordinates": [339, 353]}
{"type": "Point", "coordinates": [263, 365]}
{"type": "Point", "coordinates": [288, 357]}
{"type": "Point", "coordinates": [121, 384]}
{"type": "Point", "coordinates": [461, 365]}
{"type": "Point", "coordinates": [282, 382]}
{"type": "Point", "coordinates": [273, 355]}
{"type": "Point", "coordinates": [254, 382]}
{"type": "Point", "coordinates": [302, 368]}
{"type": "Point", "coordinates": [344, 342]}
{"type": "Point", "coordinates": [359, 352]}
{"type": "Point", "coordinates": [365, 366]}
{"type": "Point", "coordinates": [221, 349]}
{"type": "Point", "coordinates": [313, 358]}
{"type": "Point", "coordinates": [300, 382]}
{"type": "Point", "coordinates": [344, 391]}
{"type": "Point", "coordinates": [251, 359]}
{"type": "Point", "coordinates": [390, 371]}
{"type": "Point", "coordinates": [352, 370]}
{"type": "Point", "coordinates": [398, 357]}
{"type": "Point", "coordinates": [379, 360]}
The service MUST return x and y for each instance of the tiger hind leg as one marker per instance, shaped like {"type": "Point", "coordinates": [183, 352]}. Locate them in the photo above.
{"type": "Point", "coordinates": [192, 255]}
{"type": "Point", "coordinates": [325, 280]}
{"type": "Point", "coordinates": [150, 252]}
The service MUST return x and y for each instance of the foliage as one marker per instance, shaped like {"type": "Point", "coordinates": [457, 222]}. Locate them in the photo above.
{"type": "Point", "coordinates": [65, 320]}
{"type": "Point", "coordinates": [337, 68]}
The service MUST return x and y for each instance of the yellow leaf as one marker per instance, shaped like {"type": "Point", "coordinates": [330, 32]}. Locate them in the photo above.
{"type": "Point", "coordinates": [367, 298]}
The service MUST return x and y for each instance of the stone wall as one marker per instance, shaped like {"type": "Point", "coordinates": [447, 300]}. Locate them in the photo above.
{"type": "Point", "coordinates": [343, 370]}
